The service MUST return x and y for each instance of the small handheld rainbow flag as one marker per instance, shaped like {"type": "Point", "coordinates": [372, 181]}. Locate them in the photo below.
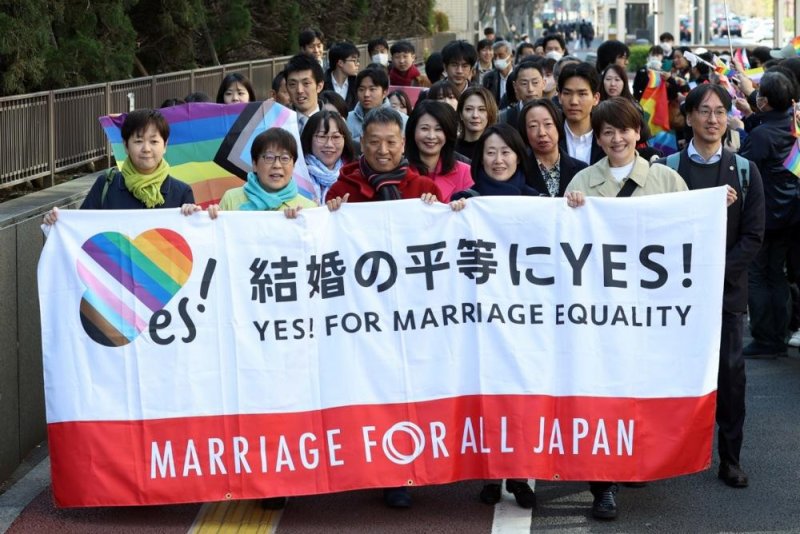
{"type": "Point", "coordinates": [792, 162]}
{"type": "Point", "coordinates": [755, 74]}
{"type": "Point", "coordinates": [741, 57]}
{"type": "Point", "coordinates": [656, 111]}
{"type": "Point", "coordinates": [721, 68]}
{"type": "Point", "coordinates": [796, 45]}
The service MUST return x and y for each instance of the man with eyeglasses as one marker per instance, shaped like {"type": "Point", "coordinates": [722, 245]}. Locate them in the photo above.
{"type": "Point", "coordinates": [528, 85]}
{"type": "Point", "coordinates": [459, 57]}
{"type": "Point", "coordinates": [304, 81]}
{"type": "Point", "coordinates": [705, 162]}
{"type": "Point", "coordinates": [340, 77]}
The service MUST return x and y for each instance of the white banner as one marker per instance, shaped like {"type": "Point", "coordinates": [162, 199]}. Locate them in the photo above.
{"type": "Point", "coordinates": [152, 316]}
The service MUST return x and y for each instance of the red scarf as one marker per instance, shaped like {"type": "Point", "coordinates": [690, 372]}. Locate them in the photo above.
{"type": "Point", "coordinates": [406, 78]}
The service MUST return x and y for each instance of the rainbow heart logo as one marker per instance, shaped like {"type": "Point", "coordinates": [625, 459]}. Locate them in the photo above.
{"type": "Point", "coordinates": [127, 281]}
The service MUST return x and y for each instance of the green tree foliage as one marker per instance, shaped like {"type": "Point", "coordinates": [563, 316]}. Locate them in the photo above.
{"type": "Point", "coordinates": [167, 33]}
{"type": "Point", "coordinates": [230, 24]}
{"type": "Point", "coordinates": [358, 18]}
{"type": "Point", "coordinates": [49, 44]}
{"type": "Point", "coordinates": [276, 25]}
{"type": "Point", "coordinates": [25, 36]}
{"type": "Point", "coordinates": [93, 41]}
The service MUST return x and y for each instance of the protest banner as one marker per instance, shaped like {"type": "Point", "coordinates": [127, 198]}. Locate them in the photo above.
{"type": "Point", "coordinates": [386, 344]}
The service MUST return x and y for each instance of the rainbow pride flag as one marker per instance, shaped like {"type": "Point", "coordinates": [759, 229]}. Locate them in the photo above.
{"type": "Point", "coordinates": [209, 144]}
{"type": "Point", "coordinates": [656, 112]}
{"type": "Point", "coordinates": [721, 68]}
{"type": "Point", "coordinates": [796, 45]}
{"type": "Point", "coordinates": [792, 161]}
{"type": "Point", "coordinates": [755, 74]}
{"type": "Point", "coordinates": [741, 57]}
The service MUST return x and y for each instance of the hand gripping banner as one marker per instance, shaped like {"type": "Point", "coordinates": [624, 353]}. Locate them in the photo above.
{"type": "Point", "coordinates": [385, 344]}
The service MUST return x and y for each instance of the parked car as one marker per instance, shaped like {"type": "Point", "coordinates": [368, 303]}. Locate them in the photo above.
{"type": "Point", "coordinates": [735, 27]}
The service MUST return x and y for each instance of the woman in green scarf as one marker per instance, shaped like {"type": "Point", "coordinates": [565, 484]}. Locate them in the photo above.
{"type": "Point", "coordinates": [269, 185]}
{"type": "Point", "coordinates": [142, 180]}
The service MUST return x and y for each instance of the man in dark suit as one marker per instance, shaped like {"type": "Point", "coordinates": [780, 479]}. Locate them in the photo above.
{"type": "Point", "coordinates": [496, 79]}
{"type": "Point", "coordinates": [706, 163]}
{"type": "Point", "coordinates": [579, 93]}
{"type": "Point", "coordinates": [340, 77]}
{"type": "Point", "coordinates": [528, 85]}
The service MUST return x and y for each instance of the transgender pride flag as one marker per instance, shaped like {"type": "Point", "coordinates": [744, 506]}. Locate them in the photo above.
{"type": "Point", "coordinates": [209, 144]}
{"type": "Point", "coordinates": [656, 112]}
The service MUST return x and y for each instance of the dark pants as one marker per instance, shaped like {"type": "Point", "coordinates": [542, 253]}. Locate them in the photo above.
{"type": "Point", "coordinates": [599, 487]}
{"type": "Point", "coordinates": [731, 389]}
{"type": "Point", "coordinates": [768, 288]}
{"type": "Point", "coordinates": [793, 271]}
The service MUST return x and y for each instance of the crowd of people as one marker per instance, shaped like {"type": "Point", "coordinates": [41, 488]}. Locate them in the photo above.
{"type": "Point", "coordinates": [505, 118]}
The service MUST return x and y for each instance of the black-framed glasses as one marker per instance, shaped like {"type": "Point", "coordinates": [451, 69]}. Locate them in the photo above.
{"type": "Point", "coordinates": [270, 158]}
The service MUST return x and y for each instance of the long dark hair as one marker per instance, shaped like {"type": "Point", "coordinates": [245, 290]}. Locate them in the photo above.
{"type": "Point", "coordinates": [488, 100]}
{"type": "Point", "coordinates": [511, 137]}
{"type": "Point", "coordinates": [229, 80]}
{"type": "Point", "coordinates": [626, 90]}
{"type": "Point", "coordinates": [321, 121]}
{"type": "Point", "coordinates": [447, 118]}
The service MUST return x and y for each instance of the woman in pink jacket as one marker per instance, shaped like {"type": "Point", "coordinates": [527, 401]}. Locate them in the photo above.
{"type": "Point", "coordinates": [431, 135]}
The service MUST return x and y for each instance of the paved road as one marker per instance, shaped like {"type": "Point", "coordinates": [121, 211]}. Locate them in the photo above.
{"type": "Point", "coordinates": [698, 503]}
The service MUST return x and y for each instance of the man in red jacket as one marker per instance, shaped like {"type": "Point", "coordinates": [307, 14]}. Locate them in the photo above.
{"type": "Point", "coordinates": [382, 172]}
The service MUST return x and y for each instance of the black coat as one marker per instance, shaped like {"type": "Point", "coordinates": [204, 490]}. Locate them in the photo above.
{"type": "Point", "coordinates": [118, 197]}
{"type": "Point", "coordinates": [596, 155]}
{"type": "Point", "coordinates": [768, 145]}
{"type": "Point", "coordinates": [568, 168]}
{"type": "Point", "coordinates": [745, 229]}
{"type": "Point", "coordinates": [492, 81]}
{"type": "Point", "coordinates": [510, 116]}
{"type": "Point", "coordinates": [352, 94]}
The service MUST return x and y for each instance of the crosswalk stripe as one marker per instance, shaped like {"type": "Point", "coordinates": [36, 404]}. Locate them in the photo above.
{"type": "Point", "coordinates": [510, 518]}
{"type": "Point", "coordinates": [235, 517]}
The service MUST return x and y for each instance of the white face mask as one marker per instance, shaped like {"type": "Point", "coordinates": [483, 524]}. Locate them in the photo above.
{"type": "Point", "coordinates": [501, 64]}
{"type": "Point", "coordinates": [667, 48]}
{"type": "Point", "coordinates": [381, 59]}
{"type": "Point", "coordinates": [554, 55]}
{"type": "Point", "coordinates": [549, 84]}
{"type": "Point", "coordinates": [654, 63]}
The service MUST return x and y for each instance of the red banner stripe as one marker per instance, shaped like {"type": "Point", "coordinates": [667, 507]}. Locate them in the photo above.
{"type": "Point", "coordinates": [193, 459]}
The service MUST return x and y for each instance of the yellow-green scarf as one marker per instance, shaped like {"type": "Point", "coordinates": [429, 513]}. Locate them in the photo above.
{"type": "Point", "coordinates": [146, 188]}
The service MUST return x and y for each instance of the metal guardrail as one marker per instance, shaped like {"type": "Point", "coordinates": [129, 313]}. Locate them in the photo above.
{"type": "Point", "coordinates": [45, 133]}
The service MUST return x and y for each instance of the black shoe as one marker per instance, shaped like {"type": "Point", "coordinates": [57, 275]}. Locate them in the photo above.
{"type": "Point", "coordinates": [604, 505]}
{"type": "Point", "coordinates": [522, 492]}
{"type": "Point", "coordinates": [490, 494]}
{"type": "Point", "coordinates": [273, 503]}
{"type": "Point", "coordinates": [756, 350]}
{"type": "Point", "coordinates": [732, 475]}
{"type": "Point", "coordinates": [397, 498]}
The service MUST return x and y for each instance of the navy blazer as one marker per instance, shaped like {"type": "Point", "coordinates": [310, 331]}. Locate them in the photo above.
{"type": "Point", "coordinates": [175, 193]}
{"type": "Point", "coordinates": [352, 93]}
{"type": "Point", "coordinates": [568, 168]}
{"type": "Point", "coordinates": [596, 155]}
{"type": "Point", "coordinates": [745, 227]}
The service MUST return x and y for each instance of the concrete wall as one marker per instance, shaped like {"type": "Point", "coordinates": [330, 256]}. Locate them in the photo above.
{"type": "Point", "coordinates": [462, 15]}
{"type": "Point", "coordinates": [22, 413]}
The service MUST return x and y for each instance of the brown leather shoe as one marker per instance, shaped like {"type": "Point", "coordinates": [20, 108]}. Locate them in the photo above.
{"type": "Point", "coordinates": [732, 475]}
